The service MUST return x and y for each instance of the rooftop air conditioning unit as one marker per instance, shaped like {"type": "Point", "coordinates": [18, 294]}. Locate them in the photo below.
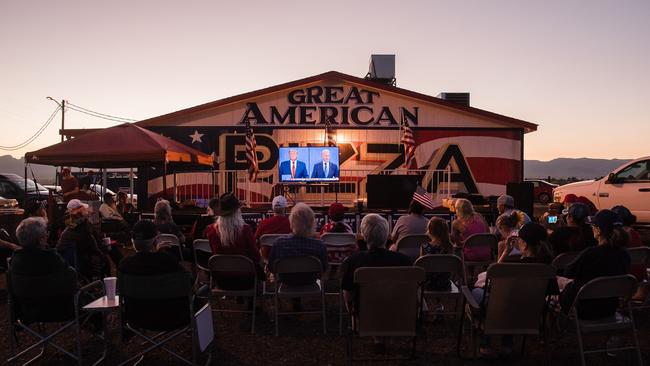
{"type": "Point", "coordinates": [457, 98]}
{"type": "Point", "coordinates": [382, 69]}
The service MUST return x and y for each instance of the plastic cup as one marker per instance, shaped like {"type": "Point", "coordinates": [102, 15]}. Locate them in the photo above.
{"type": "Point", "coordinates": [106, 241]}
{"type": "Point", "coordinates": [109, 286]}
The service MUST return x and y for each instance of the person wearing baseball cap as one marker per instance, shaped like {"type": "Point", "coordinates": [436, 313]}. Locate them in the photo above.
{"type": "Point", "coordinates": [577, 234]}
{"type": "Point", "coordinates": [276, 224]}
{"type": "Point", "coordinates": [336, 213]}
{"type": "Point", "coordinates": [608, 258]}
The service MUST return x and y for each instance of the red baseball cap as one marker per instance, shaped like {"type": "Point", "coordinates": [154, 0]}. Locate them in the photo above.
{"type": "Point", "coordinates": [336, 209]}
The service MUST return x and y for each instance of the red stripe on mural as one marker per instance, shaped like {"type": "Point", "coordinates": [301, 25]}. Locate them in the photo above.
{"type": "Point", "coordinates": [494, 170]}
{"type": "Point", "coordinates": [422, 136]}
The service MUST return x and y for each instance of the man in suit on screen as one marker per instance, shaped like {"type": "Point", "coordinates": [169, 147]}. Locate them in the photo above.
{"type": "Point", "coordinates": [293, 168]}
{"type": "Point", "coordinates": [325, 168]}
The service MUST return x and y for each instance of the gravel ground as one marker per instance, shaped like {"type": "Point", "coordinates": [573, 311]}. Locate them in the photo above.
{"type": "Point", "coordinates": [302, 343]}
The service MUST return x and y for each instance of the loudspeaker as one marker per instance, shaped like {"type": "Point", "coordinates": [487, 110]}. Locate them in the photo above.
{"type": "Point", "coordinates": [391, 191]}
{"type": "Point", "coordinates": [522, 192]}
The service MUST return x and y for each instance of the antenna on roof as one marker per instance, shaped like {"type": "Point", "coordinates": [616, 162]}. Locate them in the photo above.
{"type": "Point", "coordinates": [382, 69]}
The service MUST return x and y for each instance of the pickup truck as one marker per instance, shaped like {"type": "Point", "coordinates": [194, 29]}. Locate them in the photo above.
{"type": "Point", "coordinates": [627, 185]}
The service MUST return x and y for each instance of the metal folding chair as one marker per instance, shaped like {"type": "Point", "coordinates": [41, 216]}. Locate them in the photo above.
{"type": "Point", "coordinates": [562, 261]}
{"type": "Point", "coordinates": [202, 253]}
{"type": "Point", "coordinates": [488, 242]}
{"type": "Point", "coordinates": [268, 239]}
{"type": "Point", "coordinates": [233, 264]}
{"type": "Point", "coordinates": [386, 304]}
{"type": "Point", "coordinates": [161, 290]}
{"type": "Point", "coordinates": [339, 246]}
{"type": "Point", "coordinates": [444, 263]}
{"type": "Point", "coordinates": [409, 245]}
{"type": "Point", "coordinates": [293, 266]}
{"type": "Point", "coordinates": [513, 303]}
{"type": "Point", "coordinates": [639, 264]}
{"type": "Point", "coordinates": [40, 300]}
{"type": "Point", "coordinates": [171, 241]}
{"type": "Point", "coordinates": [621, 287]}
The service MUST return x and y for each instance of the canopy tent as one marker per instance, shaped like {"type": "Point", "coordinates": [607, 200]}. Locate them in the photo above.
{"type": "Point", "coordinates": [122, 146]}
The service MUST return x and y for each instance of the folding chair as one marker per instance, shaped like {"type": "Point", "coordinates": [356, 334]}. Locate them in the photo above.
{"type": "Point", "coordinates": [621, 287]}
{"type": "Point", "coordinates": [233, 264]}
{"type": "Point", "coordinates": [513, 302]}
{"type": "Point", "coordinates": [202, 253]}
{"type": "Point", "coordinates": [444, 263]}
{"type": "Point", "coordinates": [639, 264]}
{"type": "Point", "coordinates": [339, 246]}
{"type": "Point", "coordinates": [171, 241]}
{"type": "Point", "coordinates": [562, 261]}
{"type": "Point", "coordinates": [268, 239]}
{"type": "Point", "coordinates": [409, 245]}
{"type": "Point", "coordinates": [171, 296]}
{"type": "Point", "coordinates": [386, 304]}
{"type": "Point", "coordinates": [295, 266]}
{"type": "Point", "coordinates": [486, 241]}
{"type": "Point", "coordinates": [40, 300]}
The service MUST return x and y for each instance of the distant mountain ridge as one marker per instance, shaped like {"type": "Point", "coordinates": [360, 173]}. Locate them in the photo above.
{"type": "Point", "coordinates": [582, 168]}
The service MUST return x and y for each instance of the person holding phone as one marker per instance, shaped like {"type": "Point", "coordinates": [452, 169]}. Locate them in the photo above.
{"type": "Point", "coordinates": [576, 235]}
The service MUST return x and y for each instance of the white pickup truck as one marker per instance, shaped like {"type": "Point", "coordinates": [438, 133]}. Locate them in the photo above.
{"type": "Point", "coordinates": [627, 185]}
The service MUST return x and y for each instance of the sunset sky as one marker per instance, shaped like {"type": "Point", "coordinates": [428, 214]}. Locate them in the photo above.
{"type": "Point", "coordinates": [580, 69]}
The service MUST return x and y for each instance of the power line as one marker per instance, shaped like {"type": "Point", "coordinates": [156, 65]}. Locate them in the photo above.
{"type": "Point", "coordinates": [98, 114]}
{"type": "Point", "coordinates": [34, 136]}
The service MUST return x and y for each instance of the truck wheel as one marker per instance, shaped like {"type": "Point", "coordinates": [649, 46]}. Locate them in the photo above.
{"type": "Point", "coordinates": [544, 198]}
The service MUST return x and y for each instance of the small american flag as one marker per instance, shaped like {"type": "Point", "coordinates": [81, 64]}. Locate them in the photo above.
{"type": "Point", "coordinates": [330, 134]}
{"type": "Point", "coordinates": [251, 151]}
{"type": "Point", "coordinates": [423, 197]}
{"type": "Point", "coordinates": [409, 143]}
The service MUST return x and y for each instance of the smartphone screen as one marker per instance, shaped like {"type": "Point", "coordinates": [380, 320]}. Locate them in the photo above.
{"type": "Point", "coordinates": [552, 219]}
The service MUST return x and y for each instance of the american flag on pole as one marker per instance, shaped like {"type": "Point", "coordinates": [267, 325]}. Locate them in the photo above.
{"type": "Point", "coordinates": [330, 134]}
{"type": "Point", "coordinates": [251, 151]}
{"type": "Point", "coordinates": [409, 143]}
{"type": "Point", "coordinates": [423, 197]}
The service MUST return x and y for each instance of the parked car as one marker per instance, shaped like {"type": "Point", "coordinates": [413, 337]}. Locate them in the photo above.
{"type": "Point", "coordinates": [627, 185]}
{"type": "Point", "coordinates": [542, 190]}
{"type": "Point", "coordinates": [12, 186]}
{"type": "Point", "coordinates": [97, 190]}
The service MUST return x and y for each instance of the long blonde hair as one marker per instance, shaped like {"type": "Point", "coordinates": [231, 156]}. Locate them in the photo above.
{"type": "Point", "coordinates": [229, 228]}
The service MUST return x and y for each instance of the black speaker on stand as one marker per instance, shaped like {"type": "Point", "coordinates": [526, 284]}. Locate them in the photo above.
{"type": "Point", "coordinates": [522, 192]}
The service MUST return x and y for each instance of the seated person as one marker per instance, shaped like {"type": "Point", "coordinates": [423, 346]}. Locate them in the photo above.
{"type": "Point", "coordinates": [164, 222]}
{"type": "Point", "coordinates": [80, 238]}
{"type": "Point", "coordinates": [576, 235]}
{"type": "Point", "coordinates": [506, 205]}
{"type": "Point", "coordinates": [300, 244]}
{"type": "Point", "coordinates": [507, 225]}
{"type": "Point", "coordinates": [276, 224]}
{"type": "Point", "coordinates": [204, 222]}
{"type": "Point", "coordinates": [466, 224]}
{"type": "Point", "coordinates": [149, 262]}
{"type": "Point", "coordinates": [608, 258]}
{"type": "Point", "coordinates": [233, 237]}
{"type": "Point", "coordinates": [36, 259]}
{"type": "Point", "coordinates": [531, 244]}
{"type": "Point", "coordinates": [336, 213]}
{"type": "Point", "coordinates": [374, 230]}
{"type": "Point", "coordinates": [69, 185]}
{"type": "Point", "coordinates": [412, 224]}
{"type": "Point", "coordinates": [438, 232]}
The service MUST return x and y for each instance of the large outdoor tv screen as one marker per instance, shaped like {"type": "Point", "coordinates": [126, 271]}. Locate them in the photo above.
{"type": "Point", "coordinates": [309, 164]}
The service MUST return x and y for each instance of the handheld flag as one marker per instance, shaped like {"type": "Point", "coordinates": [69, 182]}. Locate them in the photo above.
{"type": "Point", "coordinates": [423, 197]}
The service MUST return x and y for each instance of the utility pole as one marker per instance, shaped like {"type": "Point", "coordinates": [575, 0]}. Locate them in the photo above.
{"type": "Point", "coordinates": [62, 119]}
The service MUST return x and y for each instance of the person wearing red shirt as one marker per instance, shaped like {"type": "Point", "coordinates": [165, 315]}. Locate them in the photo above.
{"type": "Point", "coordinates": [336, 214]}
{"type": "Point", "coordinates": [232, 236]}
{"type": "Point", "coordinates": [276, 224]}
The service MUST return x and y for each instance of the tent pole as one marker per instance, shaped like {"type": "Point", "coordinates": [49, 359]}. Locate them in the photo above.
{"type": "Point", "coordinates": [164, 195]}
{"type": "Point", "coordinates": [104, 182]}
{"type": "Point", "coordinates": [175, 193]}
{"type": "Point", "coordinates": [25, 192]}
{"type": "Point", "coordinates": [131, 186]}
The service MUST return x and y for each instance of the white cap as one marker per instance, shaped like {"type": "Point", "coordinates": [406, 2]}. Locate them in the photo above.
{"type": "Point", "coordinates": [279, 202]}
{"type": "Point", "coordinates": [75, 203]}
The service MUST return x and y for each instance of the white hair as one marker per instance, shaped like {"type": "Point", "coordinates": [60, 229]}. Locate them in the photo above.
{"type": "Point", "coordinates": [162, 212]}
{"type": "Point", "coordinates": [464, 209]}
{"type": "Point", "coordinates": [374, 230]}
{"type": "Point", "coordinates": [31, 231]}
{"type": "Point", "coordinates": [229, 227]}
{"type": "Point", "coordinates": [302, 220]}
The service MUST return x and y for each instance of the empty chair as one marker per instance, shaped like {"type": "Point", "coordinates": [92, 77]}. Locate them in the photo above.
{"type": "Point", "coordinates": [240, 269]}
{"type": "Point", "coordinates": [386, 303]}
{"type": "Point", "coordinates": [293, 266]}
{"type": "Point", "coordinates": [202, 253]}
{"type": "Point", "coordinates": [480, 243]}
{"type": "Point", "coordinates": [339, 246]}
{"type": "Point", "coordinates": [172, 242]}
{"type": "Point", "coordinates": [621, 287]}
{"type": "Point", "coordinates": [513, 302]}
{"type": "Point", "coordinates": [171, 295]}
{"type": "Point", "coordinates": [409, 245]}
{"type": "Point", "coordinates": [562, 261]}
{"type": "Point", "coordinates": [447, 267]}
